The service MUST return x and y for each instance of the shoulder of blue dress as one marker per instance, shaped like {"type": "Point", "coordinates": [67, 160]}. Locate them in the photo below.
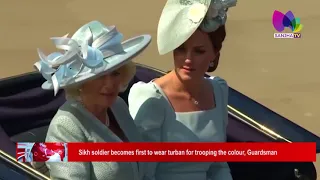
{"type": "Point", "coordinates": [219, 80]}
{"type": "Point", "coordinates": [67, 110]}
{"type": "Point", "coordinates": [144, 89]}
{"type": "Point", "coordinates": [120, 102]}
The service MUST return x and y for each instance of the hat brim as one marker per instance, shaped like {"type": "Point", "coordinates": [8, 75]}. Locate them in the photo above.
{"type": "Point", "coordinates": [175, 26]}
{"type": "Point", "coordinates": [132, 47]}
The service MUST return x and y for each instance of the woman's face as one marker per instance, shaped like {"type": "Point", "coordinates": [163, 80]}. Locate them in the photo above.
{"type": "Point", "coordinates": [102, 91]}
{"type": "Point", "coordinates": [193, 57]}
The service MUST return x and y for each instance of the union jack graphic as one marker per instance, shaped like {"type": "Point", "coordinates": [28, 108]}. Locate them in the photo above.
{"type": "Point", "coordinates": [24, 152]}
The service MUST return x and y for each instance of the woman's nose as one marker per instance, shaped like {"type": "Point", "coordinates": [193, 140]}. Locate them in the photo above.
{"type": "Point", "coordinates": [188, 57]}
{"type": "Point", "coordinates": [107, 81]}
{"type": "Point", "coordinates": [187, 60]}
{"type": "Point", "coordinates": [110, 83]}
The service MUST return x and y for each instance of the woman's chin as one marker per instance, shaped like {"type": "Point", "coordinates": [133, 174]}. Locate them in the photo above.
{"type": "Point", "coordinates": [111, 100]}
{"type": "Point", "coordinates": [186, 78]}
{"type": "Point", "coordinates": [107, 101]}
{"type": "Point", "coordinates": [186, 75]}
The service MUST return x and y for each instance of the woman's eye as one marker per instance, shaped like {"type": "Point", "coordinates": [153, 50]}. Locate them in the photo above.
{"type": "Point", "coordinates": [200, 51]}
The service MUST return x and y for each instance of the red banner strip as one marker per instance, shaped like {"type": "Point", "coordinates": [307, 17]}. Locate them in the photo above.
{"type": "Point", "coordinates": [192, 152]}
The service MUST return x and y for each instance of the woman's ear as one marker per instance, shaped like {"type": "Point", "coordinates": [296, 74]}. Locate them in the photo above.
{"type": "Point", "coordinates": [214, 63]}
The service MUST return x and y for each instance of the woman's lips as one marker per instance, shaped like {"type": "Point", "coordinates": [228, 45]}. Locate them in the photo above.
{"type": "Point", "coordinates": [187, 68]}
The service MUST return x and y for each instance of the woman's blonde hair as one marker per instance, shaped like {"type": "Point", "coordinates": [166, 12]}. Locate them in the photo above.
{"type": "Point", "coordinates": [126, 71]}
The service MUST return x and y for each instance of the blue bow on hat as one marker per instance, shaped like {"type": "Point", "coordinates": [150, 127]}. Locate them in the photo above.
{"type": "Point", "coordinates": [75, 53]}
{"type": "Point", "coordinates": [95, 49]}
{"type": "Point", "coordinates": [216, 15]}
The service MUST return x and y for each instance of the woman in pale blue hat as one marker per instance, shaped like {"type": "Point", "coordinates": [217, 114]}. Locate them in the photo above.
{"type": "Point", "coordinates": [95, 67]}
{"type": "Point", "coordinates": [183, 106]}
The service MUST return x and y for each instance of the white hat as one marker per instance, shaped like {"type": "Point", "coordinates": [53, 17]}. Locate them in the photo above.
{"type": "Point", "coordinates": [181, 18]}
{"type": "Point", "coordinates": [94, 50]}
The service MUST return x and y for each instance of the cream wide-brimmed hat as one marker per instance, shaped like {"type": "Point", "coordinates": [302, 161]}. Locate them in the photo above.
{"type": "Point", "coordinates": [94, 50]}
{"type": "Point", "coordinates": [181, 18]}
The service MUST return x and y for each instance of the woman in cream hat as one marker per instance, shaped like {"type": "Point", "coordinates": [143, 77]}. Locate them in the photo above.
{"type": "Point", "coordinates": [95, 67]}
{"type": "Point", "coordinates": [183, 106]}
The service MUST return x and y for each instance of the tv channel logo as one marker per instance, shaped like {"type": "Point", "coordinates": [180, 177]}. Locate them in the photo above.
{"type": "Point", "coordinates": [281, 21]}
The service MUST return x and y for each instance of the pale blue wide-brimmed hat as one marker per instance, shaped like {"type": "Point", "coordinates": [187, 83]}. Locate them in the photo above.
{"type": "Point", "coordinates": [181, 18]}
{"type": "Point", "coordinates": [94, 50]}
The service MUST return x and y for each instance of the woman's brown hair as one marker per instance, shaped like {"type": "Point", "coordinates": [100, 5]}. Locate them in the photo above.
{"type": "Point", "coordinates": [217, 37]}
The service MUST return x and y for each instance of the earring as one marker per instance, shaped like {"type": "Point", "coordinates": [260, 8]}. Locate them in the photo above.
{"type": "Point", "coordinates": [211, 65]}
{"type": "Point", "coordinates": [214, 63]}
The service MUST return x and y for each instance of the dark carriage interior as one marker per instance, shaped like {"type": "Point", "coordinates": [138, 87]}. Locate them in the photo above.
{"type": "Point", "coordinates": [26, 111]}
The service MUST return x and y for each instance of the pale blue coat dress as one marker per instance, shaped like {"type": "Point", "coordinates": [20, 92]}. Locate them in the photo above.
{"type": "Point", "coordinates": [73, 123]}
{"type": "Point", "coordinates": [157, 121]}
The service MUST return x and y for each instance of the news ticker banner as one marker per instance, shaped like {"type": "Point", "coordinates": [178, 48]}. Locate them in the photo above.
{"type": "Point", "coordinates": [167, 152]}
